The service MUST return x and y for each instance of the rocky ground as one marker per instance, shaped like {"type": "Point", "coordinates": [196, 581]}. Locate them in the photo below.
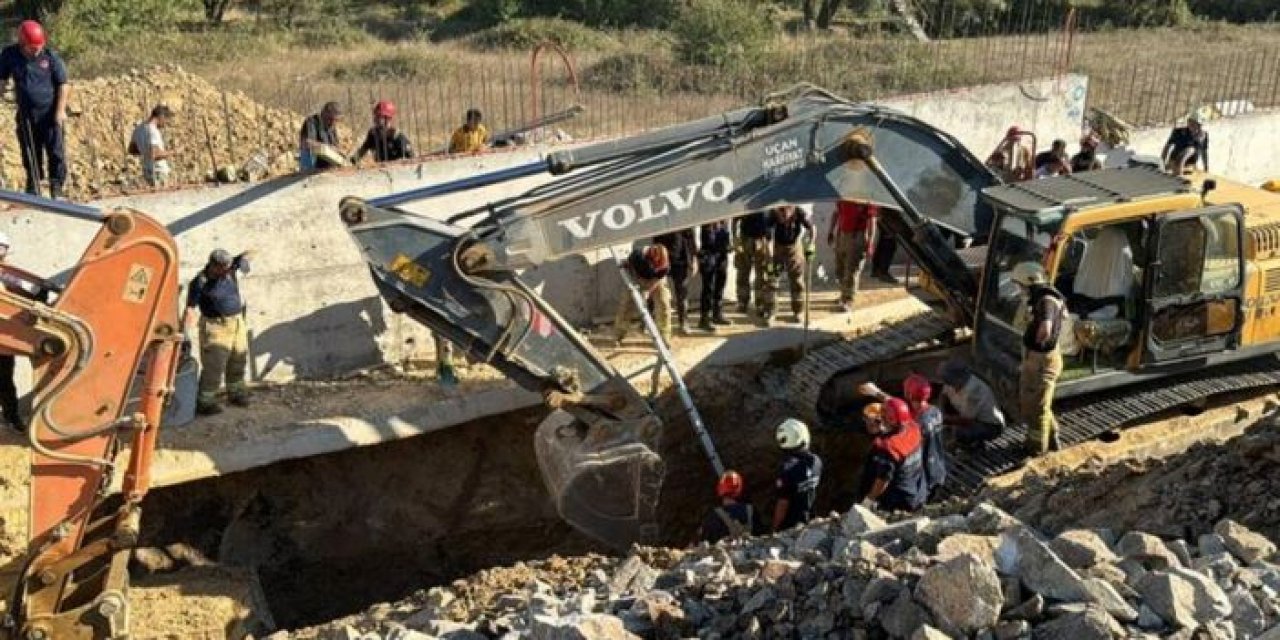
{"type": "Point", "coordinates": [983, 574]}
{"type": "Point", "coordinates": [211, 128]}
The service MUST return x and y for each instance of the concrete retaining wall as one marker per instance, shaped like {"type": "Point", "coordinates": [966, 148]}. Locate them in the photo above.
{"type": "Point", "coordinates": [313, 309]}
{"type": "Point", "coordinates": [1241, 147]}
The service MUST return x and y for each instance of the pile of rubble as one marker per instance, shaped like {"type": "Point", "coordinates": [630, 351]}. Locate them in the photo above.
{"type": "Point", "coordinates": [211, 130]}
{"type": "Point", "coordinates": [984, 574]}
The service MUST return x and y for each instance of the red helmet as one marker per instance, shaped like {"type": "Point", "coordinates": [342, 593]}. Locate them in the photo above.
{"type": "Point", "coordinates": [896, 411]}
{"type": "Point", "coordinates": [656, 254]}
{"type": "Point", "coordinates": [730, 485]}
{"type": "Point", "coordinates": [1013, 132]}
{"type": "Point", "coordinates": [384, 109]}
{"type": "Point", "coordinates": [31, 34]}
{"type": "Point", "coordinates": [917, 388]}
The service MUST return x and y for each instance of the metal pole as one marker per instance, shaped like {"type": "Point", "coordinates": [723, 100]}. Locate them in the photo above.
{"type": "Point", "coordinates": [69, 209]}
{"type": "Point", "coordinates": [808, 289]}
{"type": "Point", "coordinates": [668, 361]}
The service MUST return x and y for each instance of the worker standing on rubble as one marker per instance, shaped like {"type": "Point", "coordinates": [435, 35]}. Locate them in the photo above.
{"type": "Point", "coordinates": [1042, 359]}
{"type": "Point", "coordinates": [148, 144]}
{"type": "Point", "coordinates": [682, 248]}
{"type": "Point", "coordinates": [386, 142]}
{"type": "Point", "coordinates": [224, 334]}
{"type": "Point", "coordinates": [792, 249]}
{"type": "Point", "coordinates": [917, 390]}
{"type": "Point", "coordinates": [40, 79]}
{"type": "Point", "coordinates": [734, 517]}
{"type": "Point", "coordinates": [1186, 146]}
{"type": "Point", "coordinates": [472, 136]}
{"type": "Point", "coordinates": [893, 477]}
{"type": "Point", "coordinates": [318, 139]}
{"type": "Point", "coordinates": [648, 271]}
{"type": "Point", "coordinates": [8, 390]}
{"type": "Point", "coordinates": [798, 476]}
{"type": "Point", "coordinates": [715, 243]}
{"type": "Point", "coordinates": [852, 237]}
{"type": "Point", "coordinates": [752, 258]}
{"type": "Point", "coordinates": [969, 405]}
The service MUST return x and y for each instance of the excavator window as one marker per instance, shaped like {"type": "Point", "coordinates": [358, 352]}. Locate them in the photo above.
{"type": "Point", "coordinates": [1199, 260]}
{"type": "Point", "coordinates": [1019, 239]}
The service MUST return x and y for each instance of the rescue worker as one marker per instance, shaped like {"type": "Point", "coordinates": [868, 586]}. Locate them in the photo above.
{"type": "Point", "coordinates": [648, 270]}
{"type": "Point", "coordinates": [916, 390]}
{"type": "Point", "coordinates": [734, 517]}
{"type": "Point", "coordinates": [1087, 158]}
{"type": "Point", "coordinates": [969, 405]}
{"type": "Point", "coordinates": [792, 248]}
{"type": "Point", "coordinates": [715, 243]}
{"type": "Point", "coordinates": [1186, 146]}
{"type": "Point", "coordinates": [752, 258]}
{"type": "Point", "coordinates": [40, 80]}
{"type": "Point", "coordinates": [1011, 158]}
{"type": "Point", "coordinates": [893, 478]}
{"type": "Point", "coordinates": [385, 141]}
{"type": "Point", "coordinates": [1042, 359]}
{"type": "Point", "coordinates": [8, 390]}
{"type": "Point", "coordinates": [224, 335]}
{"type": "Point", "coordinates": [148, 144]}
{"type": "Point", "coordinates": [318, 138]}
{"type": "Point", "coordinates": [798, 476]}
{"type": "Point", "coordinates": [682, 249]}
{"type": "Point", "coordinates": [852, 237]}
{"type": "Point", "coordinates": [472, 136]}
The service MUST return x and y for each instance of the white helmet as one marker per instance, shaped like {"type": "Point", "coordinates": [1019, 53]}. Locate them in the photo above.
{"type": "Point", "coordinates": [792, 434]}
{"type": "Point", "coordinates": [1029, 273]}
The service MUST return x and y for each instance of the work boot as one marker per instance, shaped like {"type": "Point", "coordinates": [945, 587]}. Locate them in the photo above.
{"type": "Point", "coordinates": [208, 408]}
{"type": "Point", "coordinates": [618, 337]}
{"type": "Point", "coordinates": [719, 319]}
{"type": "Point", "coordinates": [744, 308]}
{"type": "Point", "coordinates": [705, 324]}
{"type": "Point", "coordinates": [766, 318]}
{"type": "Point", "coordinates": [240, 399]}
{"type": "Point", "coordinates": [885, 276]}
{"type": "Point", "coordinates": [55, 191]}
{"type": "Point", "coordinates": [682, 327]}
{"type": "Point", "coordinates": [796, 318]}
{"type": "Point", "coordinates": [845, 306]}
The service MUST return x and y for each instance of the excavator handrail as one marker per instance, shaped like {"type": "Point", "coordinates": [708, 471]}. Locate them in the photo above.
{"type": "Point", "coordinates": [61, 207]}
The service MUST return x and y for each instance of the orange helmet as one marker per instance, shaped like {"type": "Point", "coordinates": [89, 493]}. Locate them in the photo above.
{"type": "Point", "coordinates": [896, 411]}
{"type": "Point", "coordinates": [31, 34]}
{"type": "Point", "coordinates": [873, 411]}
{"type": "Point", "coordinates": [730, 485]}
{"type": "Point", "coordinates": [917, 388]}
{"type": "Point", "coordinates": [384, 109]}
{"type": "Point", "coordinates": [656, 255]}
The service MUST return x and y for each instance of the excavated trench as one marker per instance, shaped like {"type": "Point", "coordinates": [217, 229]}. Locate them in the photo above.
{"type": "Point", "coordinates": [330, 535]}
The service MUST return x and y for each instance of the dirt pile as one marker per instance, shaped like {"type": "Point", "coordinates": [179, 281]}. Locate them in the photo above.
{"type": "Point", "coordinates": [983, 574]}
{"type": "Point", "coordinates": [211, 128]}
{"type": "Point", "coordinates": [1180, 496]}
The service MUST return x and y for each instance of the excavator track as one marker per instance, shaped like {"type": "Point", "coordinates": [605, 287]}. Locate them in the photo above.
{"type": "Point", "coordinates": [1079, 419]}
{"type": "Point", "coordinates": [1085, 418]}
{"type": "Point", "coordinates": [894, 337]}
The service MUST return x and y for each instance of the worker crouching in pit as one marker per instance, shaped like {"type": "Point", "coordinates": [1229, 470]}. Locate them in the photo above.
{"type": "Point", "coordinates": [224, 334]}
{"type": "Point", "coordinates": [734, 517]}
{"type": "Point", "coordinates": [798, 476]}
{"type": "Point", "coordinates": [893, 477]}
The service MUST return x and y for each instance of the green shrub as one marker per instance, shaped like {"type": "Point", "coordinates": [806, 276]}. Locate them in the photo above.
{"type": "Point", "coordinates": [631, 71]}
{"type": "Point", "coordinates": [530, 32]}
{"type": "Point", "coordinates": [722, 32]}
{"type": "Point", "coordinates": [409, 65]}
{"type": "Point", "coordinates": [82, 24]}
{"type": "Point", "coordinates": [607, 13]}
{"type": "Point", "coordinates": [1237, 10]}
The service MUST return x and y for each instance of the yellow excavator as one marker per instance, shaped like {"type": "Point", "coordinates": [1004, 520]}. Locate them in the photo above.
{"type": "Point", "coordinates": [1172, 281]}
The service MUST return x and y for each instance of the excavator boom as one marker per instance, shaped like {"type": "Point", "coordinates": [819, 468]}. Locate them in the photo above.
{"type": "Point", "coordinates": [115, 318]}
{"type": "Point", "coordinates": [458, 276]}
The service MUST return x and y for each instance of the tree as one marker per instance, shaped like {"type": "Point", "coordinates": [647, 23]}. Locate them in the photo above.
{"type": "Point", "coordinates": [41, 10]}
{"type": "Point", "coordinates": [214, 10]}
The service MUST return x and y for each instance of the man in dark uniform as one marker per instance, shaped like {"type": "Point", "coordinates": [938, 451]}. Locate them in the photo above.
{"type": "Point", "coordinates": [734, 518]}
{"type": "Point", "coordinates": [319, 137]}
{"type": "Point", "coordinates": [894, 475]}
{"type": "Point", "coordinates": [385, 141]}
{"type": "Point", "coordinates": [682, 248]}
{"type": "Point", "coordinates": [917, 390]}
{"type": "Point", "coordinates": [41, 81]}
{"type": "Point", "coordinates": [1186, 146]}
{"type": "Point", "coordinates": [798, 476]}
{"type": "Point", "coordinates": [713, 263]}
{"type": "Point", "coordinates": [224, 335]}
{"type": "Point", "coordinates": [752, 255]}
{"type": "Point", "coordinates": [792, 249]}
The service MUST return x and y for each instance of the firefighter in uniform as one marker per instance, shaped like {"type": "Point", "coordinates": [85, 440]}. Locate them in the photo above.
{"type": "Point", "coordinates": [224, 334]}
{"type": "Point", "coordinates": [894, 475]}
{"type": "Point", "coordinates": [917, 390]}
{"type": "Point", "coordinates": [734, 517]}
{"type": "Point", "coordinates": [798, 476]}
{"type": "Point", "coordinates": [1042, 360]}
{"type": "Point", "coordinates": [792, 248]}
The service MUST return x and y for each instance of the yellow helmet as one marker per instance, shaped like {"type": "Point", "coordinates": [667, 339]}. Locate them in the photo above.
{"type": "Point", "coordinates": [873, 411]}
{"type": "Point", "coordinates": [1272, 185]}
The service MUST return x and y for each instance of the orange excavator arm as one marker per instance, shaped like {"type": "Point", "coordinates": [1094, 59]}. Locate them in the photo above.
{"type": "Point", "coordinates": [116, 318]}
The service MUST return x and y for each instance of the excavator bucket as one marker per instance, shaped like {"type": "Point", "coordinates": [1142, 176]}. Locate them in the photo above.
{"type": "Point", "coordinates": [594, 450]}
{"type": "Point", "coordinates": [604, 480]}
